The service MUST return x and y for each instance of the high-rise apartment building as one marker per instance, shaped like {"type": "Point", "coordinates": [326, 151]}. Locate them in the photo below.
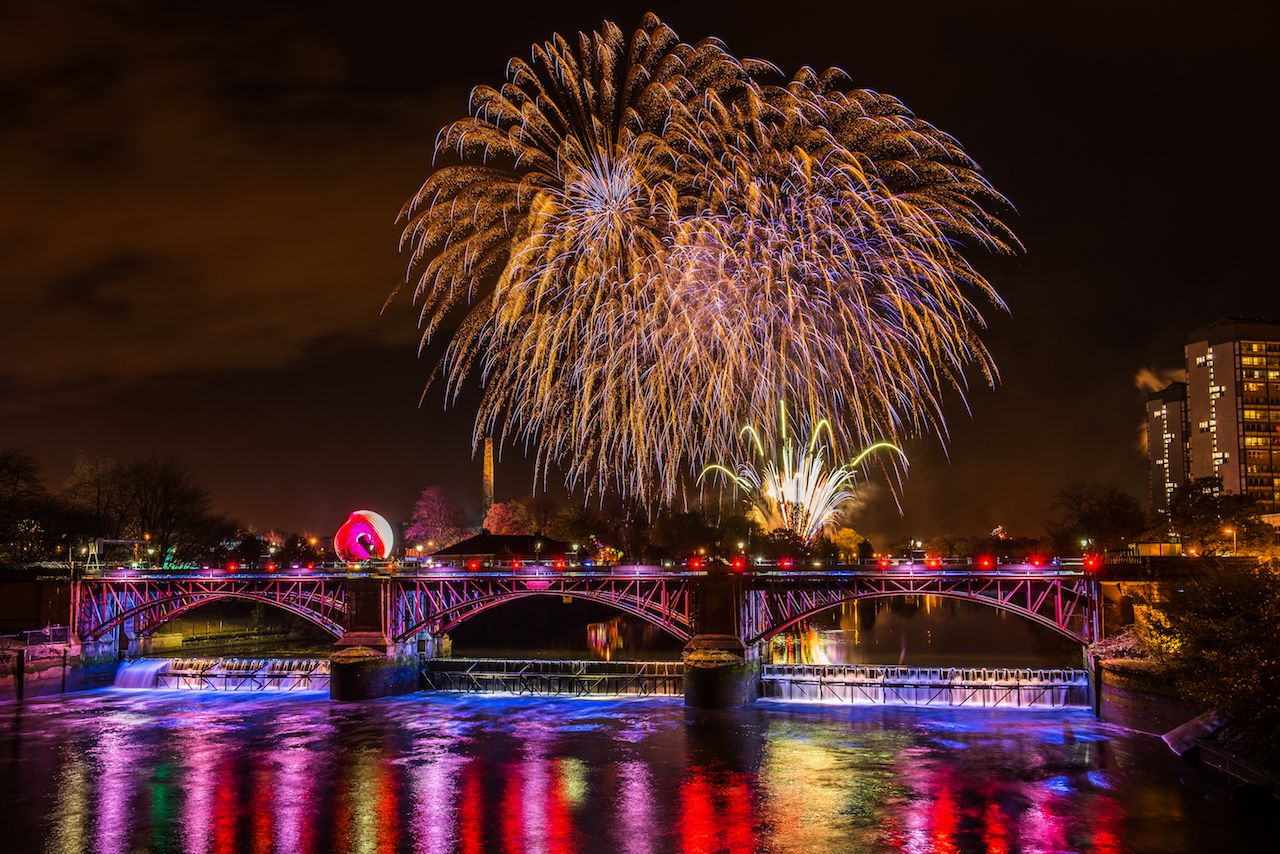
{"type": "Point", "coordinates": [1167, 445]}
{"type": "Point", "coordinates": [1232, 414]}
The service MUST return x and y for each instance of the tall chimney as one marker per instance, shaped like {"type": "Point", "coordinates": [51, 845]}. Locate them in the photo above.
{"type": "Point", "coordinates": [488, 473]}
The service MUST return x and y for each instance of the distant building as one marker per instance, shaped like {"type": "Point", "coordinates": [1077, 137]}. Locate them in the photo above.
{"type": "Point", "coordinates": [491, 550]}
{"type": "Point", "coordinates": [1232, 414]}
{"type": "Point", "coordinates": [1167, 445]}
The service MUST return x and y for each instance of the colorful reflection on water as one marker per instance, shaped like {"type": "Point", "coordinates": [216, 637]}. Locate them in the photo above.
{"type": "Point", "coordinates": [117, 771]}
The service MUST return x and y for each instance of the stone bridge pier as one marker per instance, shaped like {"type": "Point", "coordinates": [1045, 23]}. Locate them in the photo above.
{"type": "Point", "coordinates": [367, 662]}
{"type": "Point", "coordinates": [720, 669]}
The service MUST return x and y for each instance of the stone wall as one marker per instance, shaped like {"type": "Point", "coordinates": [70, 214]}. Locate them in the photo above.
{"type": "Point", "coordinates": [40, 670]}
{"type": "Point", "coordinates": [1140, 700]}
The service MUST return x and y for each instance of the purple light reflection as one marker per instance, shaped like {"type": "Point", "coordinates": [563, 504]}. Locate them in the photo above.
{"type": "Point", "coordinates": [434, 790]}
{"type": "Point", "coordinates": [115, 756]}
{"type": "Point", "coordinates": [635, 808]}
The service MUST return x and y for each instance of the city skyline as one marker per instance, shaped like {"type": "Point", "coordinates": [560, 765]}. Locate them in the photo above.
{"type": "Point", "coordinates": [256, 354]}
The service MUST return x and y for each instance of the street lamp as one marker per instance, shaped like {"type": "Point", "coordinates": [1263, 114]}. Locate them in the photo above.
{"type": "Point", "coordinates": [1232, 532]}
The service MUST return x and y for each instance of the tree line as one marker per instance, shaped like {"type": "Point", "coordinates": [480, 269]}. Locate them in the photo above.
{"type": "Point", "coordinates": [1086, 517]}
{"type": "Point", "coordinates": [620, 529]}
{"type": "Point", "coordinates": [154, 501]}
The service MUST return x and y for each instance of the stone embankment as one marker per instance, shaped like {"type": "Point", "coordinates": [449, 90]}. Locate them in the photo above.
{"type": "Point", "coordinates": [38, 670]}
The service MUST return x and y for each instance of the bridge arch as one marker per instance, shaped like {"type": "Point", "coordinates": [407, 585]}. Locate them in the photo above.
{"type": "Point", "coordinates": [154, 613]}
{"type": "Point", "coordinates": [772, 628]}
{"type": "Point", "coordinates": [455, 616]}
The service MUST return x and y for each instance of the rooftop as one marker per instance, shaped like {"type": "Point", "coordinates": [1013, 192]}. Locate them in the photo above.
{"type": "Point", "coordinates": [1233, 328]}
{"type": "Point", "coordinates": [514, 545]}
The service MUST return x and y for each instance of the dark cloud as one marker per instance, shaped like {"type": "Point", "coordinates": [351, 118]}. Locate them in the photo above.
{"type": "Point", "coordinates": [100, 289]}
{"type": "Point", "coordinates": [198, 237]}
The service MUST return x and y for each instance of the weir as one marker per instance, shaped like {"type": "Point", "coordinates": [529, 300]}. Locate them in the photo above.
{"type": "Point", "coordinates": [926, 686]}
{"type": "Point", "coordinates": [550, 678]}
{"type": "Point", "coordinates": [225, 674]}
{"type": "Point", "coordinates": [840, 684]}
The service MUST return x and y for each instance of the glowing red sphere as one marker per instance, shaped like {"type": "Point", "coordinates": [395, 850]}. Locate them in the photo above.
{"type": "Point", "coordinates": [364, 536]}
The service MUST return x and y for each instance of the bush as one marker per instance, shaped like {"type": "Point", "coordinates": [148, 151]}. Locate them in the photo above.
{"type": "Point", "coordinates": [1223, 632]}
{"type": "Point", "coordinates": [1127, 644]}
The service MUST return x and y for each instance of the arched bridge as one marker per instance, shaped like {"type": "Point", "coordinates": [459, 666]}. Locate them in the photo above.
{"type": "Point", "coordinates": [439, 604]}
{"type": "Point", "coordinates": [408, 604]}
{"type": "Point", "coordinates": [753, 605]}
{"type": "Point", "coordinates": [1067, 602]}
{"type": "Point", "coordinates": [142, 604]}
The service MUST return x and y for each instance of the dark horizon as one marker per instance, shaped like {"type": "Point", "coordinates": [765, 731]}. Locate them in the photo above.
{"type": "Point", "coordinates": [200, 234]}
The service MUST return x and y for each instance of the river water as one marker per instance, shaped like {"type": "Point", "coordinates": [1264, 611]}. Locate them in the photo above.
{"type": "Point", "coordinates": [114, 771]}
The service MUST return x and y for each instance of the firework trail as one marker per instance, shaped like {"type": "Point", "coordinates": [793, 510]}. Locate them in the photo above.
{"type": "Point", "coordinates": [649, 243]}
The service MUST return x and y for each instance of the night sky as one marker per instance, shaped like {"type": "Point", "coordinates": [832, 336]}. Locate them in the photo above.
{"type": "Point", "coordinates": [197, 229]}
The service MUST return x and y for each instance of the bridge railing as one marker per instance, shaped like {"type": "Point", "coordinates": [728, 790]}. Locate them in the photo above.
{"type": "Point", "coordinates": [904, 567]}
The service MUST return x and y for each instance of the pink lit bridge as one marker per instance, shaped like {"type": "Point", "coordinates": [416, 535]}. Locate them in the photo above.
{"type": "Point", "coordinates": [752, 605]}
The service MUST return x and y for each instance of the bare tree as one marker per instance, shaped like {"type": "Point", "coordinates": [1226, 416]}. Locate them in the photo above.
{"type": "Point", "coordinates": [1095, 515]}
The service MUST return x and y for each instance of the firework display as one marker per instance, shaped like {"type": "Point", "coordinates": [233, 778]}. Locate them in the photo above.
{"type": "Point", "coordinates": [646, 243]}
{"type": "Point", "coordinates": [799, 487]}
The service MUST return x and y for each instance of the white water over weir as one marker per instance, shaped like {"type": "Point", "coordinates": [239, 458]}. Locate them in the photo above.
{"type": "Point", "coordinates": [225, 674]}
{"type": "Point", "coordinates": [811, 683]}
{"type": "Point", "coordinates": [141, 673]}
{"type": "Point", "coordinates": [554, 678]}
{"type": "Point", "coordinates": [925, 686]}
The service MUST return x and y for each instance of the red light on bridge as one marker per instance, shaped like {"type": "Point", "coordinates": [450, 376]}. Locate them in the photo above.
{"type": "Point", "coordinates": [933, 562]}
{"type": "Point", "coordinates": [271, 567]}
{"type": "Point", "coordinates": [473, 564]}
{"type": "Point", "coordinates": [739, 564]}
{"type": "Point", "coordinates": [1035, 560]}
{"type": "Point", "coordinates": [558, 565]}
{"type": "Point", "coordinates": [695, 563]}
{"type": "Point", "coordinates": [1092, 563]}
{"type": "Point", "coordinates": [233, 566]}
{"type": "Point", "coordinates": [785, 563]}
{"type": "Point", "coordinates": [311, 566]}
{"type": "Point", "coordinates": [986, 562]}
{"type": "Point", "coordinates": [884, 563]}
{"type": "Point", "coordinates": [515, 564]}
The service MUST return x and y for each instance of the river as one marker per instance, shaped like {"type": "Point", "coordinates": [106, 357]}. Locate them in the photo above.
{"type": "Point", "coordinates": [111, 771]}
